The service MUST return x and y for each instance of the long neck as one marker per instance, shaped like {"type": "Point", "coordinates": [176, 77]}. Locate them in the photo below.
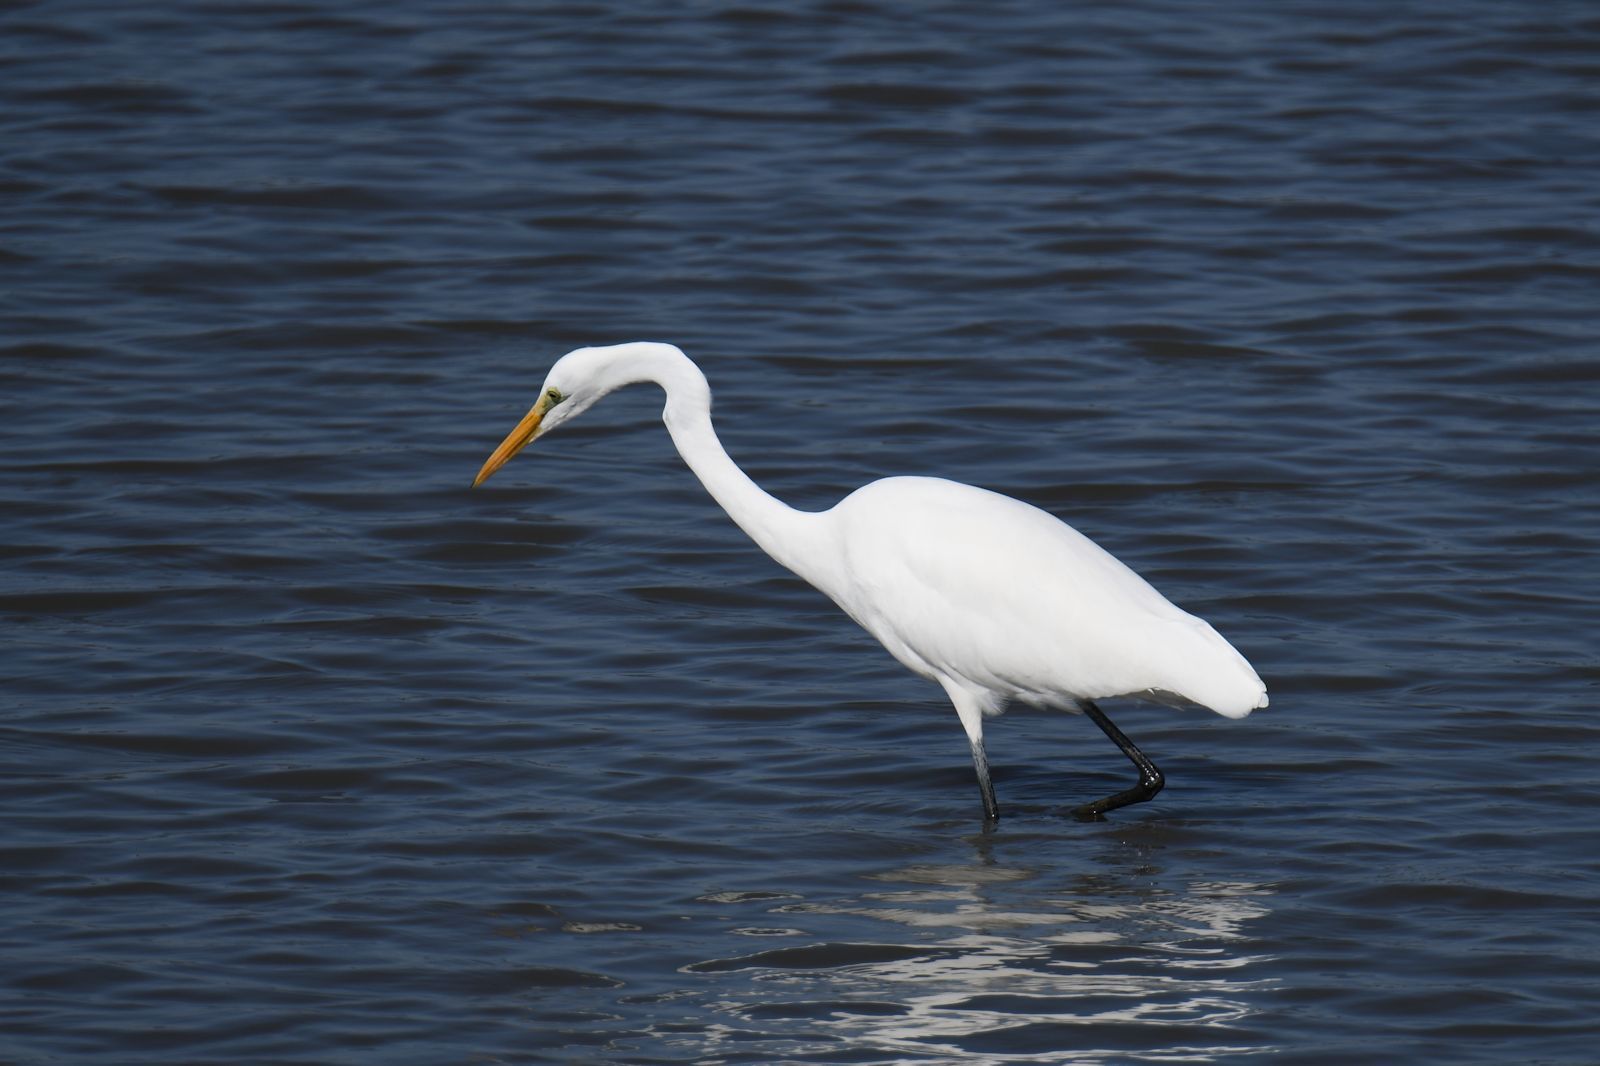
{"type": "Point", "coordinates": [794, 538]}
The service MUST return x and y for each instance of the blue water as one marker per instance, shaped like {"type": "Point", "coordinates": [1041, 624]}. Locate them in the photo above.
{"type": "Point", "coordinates": [311, 754]}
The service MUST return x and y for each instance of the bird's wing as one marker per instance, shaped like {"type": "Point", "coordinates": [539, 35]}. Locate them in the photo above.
{"type": "Point", "coordinates": [988, 589]}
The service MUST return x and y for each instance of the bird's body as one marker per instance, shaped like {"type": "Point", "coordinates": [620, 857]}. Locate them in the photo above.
{"type": "Point", "coordinates": [993, 598]}
{"type": "Point", "coordinates": [975, 589]}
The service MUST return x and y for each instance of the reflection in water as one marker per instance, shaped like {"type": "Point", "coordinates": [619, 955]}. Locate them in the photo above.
{"type": "Point", "coordinates": [1013, 970]}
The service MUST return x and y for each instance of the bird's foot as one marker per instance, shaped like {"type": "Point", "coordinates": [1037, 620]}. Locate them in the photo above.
{"type": "Point", "coordinates": [1149, 784]}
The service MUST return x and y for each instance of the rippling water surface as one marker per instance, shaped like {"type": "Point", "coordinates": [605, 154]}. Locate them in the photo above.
{"type": "Point", "coordinates": [309, 754]}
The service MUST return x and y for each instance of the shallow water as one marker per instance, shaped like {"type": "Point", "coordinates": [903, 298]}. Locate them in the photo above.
{"type": "Point", "coordinates": [308, 754]}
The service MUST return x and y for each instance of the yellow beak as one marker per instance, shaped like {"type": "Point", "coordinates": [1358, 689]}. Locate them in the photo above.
{"type": "Point", "coordinates": [518, 438]}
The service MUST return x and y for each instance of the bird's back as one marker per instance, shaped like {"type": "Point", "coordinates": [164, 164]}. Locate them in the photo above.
{"type": "Point", "coordinates": [964, 584]}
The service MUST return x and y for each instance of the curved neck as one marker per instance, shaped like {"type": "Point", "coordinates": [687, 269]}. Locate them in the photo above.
{"type": "Point", "coordinates": [790, 536]}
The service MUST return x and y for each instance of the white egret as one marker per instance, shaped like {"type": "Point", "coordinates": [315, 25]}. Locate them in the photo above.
{"type": "Point", "coordinates": [992, 598]}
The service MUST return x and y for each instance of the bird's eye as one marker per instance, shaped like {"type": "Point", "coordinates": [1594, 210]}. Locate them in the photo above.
{"type": "Point", "coordinates": [553, 396]}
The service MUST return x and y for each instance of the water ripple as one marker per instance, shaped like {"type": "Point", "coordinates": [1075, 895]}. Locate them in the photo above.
{"type": "Point", "coordinates": [312, 754]}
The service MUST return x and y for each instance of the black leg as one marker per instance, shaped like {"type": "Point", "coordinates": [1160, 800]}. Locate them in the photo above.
{"type": "Point", "coordinates": [980, 762]}
{"type": "Point", "coordinates": [1150, 778]}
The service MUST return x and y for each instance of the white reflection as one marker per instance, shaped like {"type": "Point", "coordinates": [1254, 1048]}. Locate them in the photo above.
{"type": "Point", "coordinates": [1113, 970]}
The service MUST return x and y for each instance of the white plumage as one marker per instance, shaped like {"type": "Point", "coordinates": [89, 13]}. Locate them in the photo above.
{"type": "Point", "coordinates": [991, 597]}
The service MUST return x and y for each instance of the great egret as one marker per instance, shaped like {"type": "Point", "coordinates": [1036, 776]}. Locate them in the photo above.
{"type": "Point", "coordinates": [992, 598]}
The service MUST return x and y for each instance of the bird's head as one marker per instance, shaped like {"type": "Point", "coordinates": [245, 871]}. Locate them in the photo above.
{"type": "Point", "coordinates": [576, 383]}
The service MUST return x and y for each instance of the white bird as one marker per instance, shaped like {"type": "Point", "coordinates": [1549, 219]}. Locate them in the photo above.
{"type": "Point", "coordinates": [992, 598]}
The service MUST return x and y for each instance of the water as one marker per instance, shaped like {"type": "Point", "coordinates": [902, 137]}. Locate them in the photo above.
{"type": "Point", "coordinates": [312, 755]}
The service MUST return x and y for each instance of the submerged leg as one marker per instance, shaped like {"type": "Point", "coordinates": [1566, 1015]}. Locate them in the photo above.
{"type": "Point", "coordinates": [980, 762]}
{"type": "Point", "coordinates": [1150, 778]}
